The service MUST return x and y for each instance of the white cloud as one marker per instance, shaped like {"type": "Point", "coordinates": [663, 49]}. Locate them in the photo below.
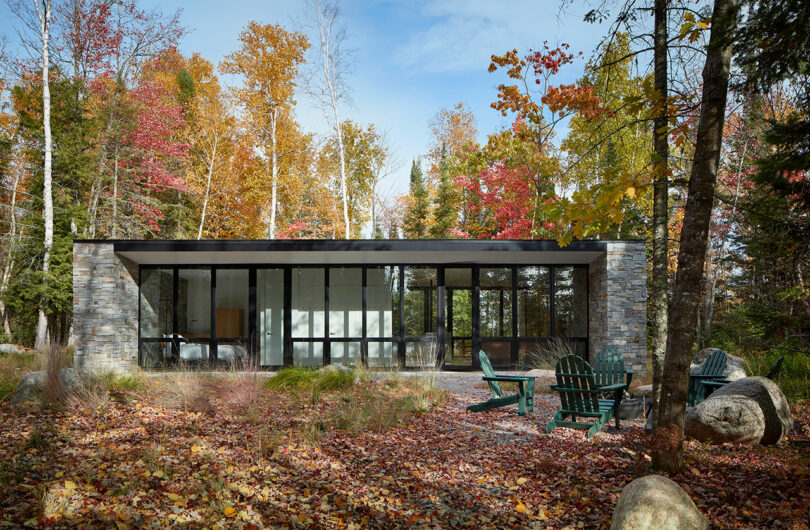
{"type": "Point", "coordinates": [464, 34]}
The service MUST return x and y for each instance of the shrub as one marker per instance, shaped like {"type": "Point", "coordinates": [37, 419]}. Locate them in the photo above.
{"type": "Point", "coordinates": [793, 379]}
{"type": "Point", "coordinates": [311, 381]}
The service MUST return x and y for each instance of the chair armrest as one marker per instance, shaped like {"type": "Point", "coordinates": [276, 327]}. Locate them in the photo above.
{"type": "Point", "coordinates": [609, 388]}
{"type": "Point", "coordinates": [706, 377]}
{"type": "Point", "coordinates": [508, 378]}
{"type": "Point", "coordinates": [629, 371]}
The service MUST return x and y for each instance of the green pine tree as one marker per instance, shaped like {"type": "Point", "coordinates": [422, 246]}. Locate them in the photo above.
{"type": "Point", "coordinates": [445, 215]}
{"type": "Point", "coordinates": [416, 216]}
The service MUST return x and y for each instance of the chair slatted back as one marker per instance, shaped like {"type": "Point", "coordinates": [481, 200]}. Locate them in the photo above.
{"type": "Point", "coordinates": [773, 373]}
{"type": "Point", "coordinates": [609, 367]}
{"type": "Point", "coordinates": [573, 376]}
{"type": "Point", "coordinates": [486, 367]}
{"type": "Point", "coordinates": [715, 364]}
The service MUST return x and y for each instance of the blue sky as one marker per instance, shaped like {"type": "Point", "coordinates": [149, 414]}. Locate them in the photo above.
{"type": "Point", "coordinates": [412, 57]}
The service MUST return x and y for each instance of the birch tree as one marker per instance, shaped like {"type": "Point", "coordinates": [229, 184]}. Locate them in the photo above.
{"type": "Point", "coordinates": [331, 89]}
{"type": "Point", "coordinates": [268, 62]}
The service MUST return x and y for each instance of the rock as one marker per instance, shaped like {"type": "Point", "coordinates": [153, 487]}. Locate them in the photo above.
{"type": "Point", "coordinates": [643, 391]}
{"type": "Point", "coordinates": [630, 409]}
{"type": "Point", "coordinates": [771, 400]}
{"type": "Point", "coordinates": [334, 368]}
{"type": "Point", "coordinates": [9, 349]}
{"type": "Point", "coordinates": [722, 419]}
{"type": "Point", "coordinates": [32, 384]}
{"type": "Point", "coordinates": [734, 365]}
{"type": "Point", "coordinates": [545, 374]}
{"type": "Point", "coordinates": [655, 502]}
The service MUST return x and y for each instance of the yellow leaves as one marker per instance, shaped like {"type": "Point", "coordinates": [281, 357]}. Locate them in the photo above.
{"type": "Point", "coordinates": [69, 484]}
{"type": "Point", "coordinates": [522, 480]}
{"type": "Point", "coordinates": [229, 512]}
{"type": "Point", "coordinates": [630, 192]}
{"type": "Point", "coordinates": [174, 496]}
{"type": "Point", "coordinates": [158, 473]}
{"type": "Point", "coordinates": [520, 507]}
{"type": "Point", "coordinates": [196, 448]}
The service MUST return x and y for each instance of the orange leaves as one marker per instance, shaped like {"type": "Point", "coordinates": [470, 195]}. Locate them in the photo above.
{"type": "Point", "coordinates": [580, 98]}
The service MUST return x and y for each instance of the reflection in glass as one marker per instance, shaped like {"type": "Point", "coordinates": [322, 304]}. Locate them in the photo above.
{"type": "Point", "coordinates": [270, 322]}
{"type": "Point", "coordinates": [155, 354]}
{"type": "Point", "coordinates": [381, 353]}
{"type": "Point", "coordinates": [571, 301]}
{"type": "Point", "coordinates": [156, 303]}
{"type": "Point", "coordinates": [420, 301]}
{"type": "Point", "coordinates": [346, 353]}
{"type": "Point", "coordinates": [382, 299]}
{"type": "Point", "coordinates": [194, 304]}
{"type": "Point", "coordinates": [420, 354]}
{"type": "Point", "coordinates": [496, 302]}
{"type": "Point", "coordinates": [499, 352]}
{"type": "Point", "coordinates": [345, 302]}
{"type": "Point", "coordinates": [308, 302]}
{"type": "Point", "coordinates": [308, 353]}
{"type": "Point", "coordinates": [232, 303]}
{"type": "Point", "coordinates": [534, 302]}
{"type": "Point", "coordinates": [458, 323]}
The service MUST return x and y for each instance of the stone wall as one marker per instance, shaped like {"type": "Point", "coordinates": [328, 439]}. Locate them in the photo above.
{"type": "Point", "coordinates": [105, 309]}
{"type": "Point", "coordinates": [618, 302]}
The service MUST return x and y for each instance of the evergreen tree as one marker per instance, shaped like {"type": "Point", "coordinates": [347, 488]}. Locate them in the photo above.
{"type": "Point", "coordinates": [416, 216]}
{"type": "Point", "coordinates": [393, 232]}
{"type": "Point", "coordinates": [445, 215]}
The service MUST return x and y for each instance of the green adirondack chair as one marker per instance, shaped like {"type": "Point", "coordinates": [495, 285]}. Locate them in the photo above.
{"type": "Point", "coordinates": [579, 395]}
{"type": "Point", "coordinates": [524, 398]}
{"type": "Point", "coordinates": [711, 370]}
{"type": "Point", "coordinates": [608, 368]}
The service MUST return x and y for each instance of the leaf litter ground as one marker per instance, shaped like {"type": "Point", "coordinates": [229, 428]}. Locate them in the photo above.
{"type": "Point", "coordinates": [139, 463]}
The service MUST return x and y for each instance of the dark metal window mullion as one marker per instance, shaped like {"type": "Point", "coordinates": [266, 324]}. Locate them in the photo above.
{"type": "Point", "coordinates": [327, 344]}
{"type": "Point", "coordinates": [440, 315]}
{"type": "Point", "coordinates": [364, 305]}
{"type": "Point", "coordinates": [175, 312]}
{"type": "Point", "coordinates": [552, 310]}
{"type": "Point", "coordinates": [515, 353]}
{"type": "Point", "coordinates": [401, 319]}
{"type": "Point", "coordinates": [476, 316]}
{"type": "Point", "coordinates": [253, 353]}
{"type": "Point", "coordinates": [287, 355]}
{"type": "Point", "coordinates": [214, 347]}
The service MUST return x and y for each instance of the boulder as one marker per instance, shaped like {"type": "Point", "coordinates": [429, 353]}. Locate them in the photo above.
{"type": "Point", "coordinates": [724, 419]}
{"type": "Point", "coordinates": [656, 503]}
{"type": "Point", "coordinates": [643, 391]}
{"type": "Point", "coordinates": [630, 409]}
{"type": "Point", "coordinates": [10, 349]}
{"type": "Point", "coordinates": [32, 384]}
{"type": "Point", "coordinates": [771, 400]}
{"type": "Point", "coordinates": [734, 365]}
{"type": "Point", "coordinates": [544, 374]}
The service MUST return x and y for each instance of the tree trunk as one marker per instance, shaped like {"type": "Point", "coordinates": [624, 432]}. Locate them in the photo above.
{"type": "Point", "coordinates": [207, 187]}
{"type": "Point", "coordinates": [44, 12]}
{"type": "Point", "coordinates": [658, 291]}
{"type": "Point", "coordinates": [668, 448]}
{"type": "Point", "coordinates": [273, 173]}
{"type": "Point", "coordinates": [114, 230]}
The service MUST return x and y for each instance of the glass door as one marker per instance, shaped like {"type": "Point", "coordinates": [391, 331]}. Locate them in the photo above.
{"type": "Point", "coordinates": [270, 321]}
{"type": "Point", "coordinates": [458, 324]}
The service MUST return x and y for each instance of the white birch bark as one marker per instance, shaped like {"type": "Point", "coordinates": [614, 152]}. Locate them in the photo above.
{"type": "Point", "coordinates": [43, 8]}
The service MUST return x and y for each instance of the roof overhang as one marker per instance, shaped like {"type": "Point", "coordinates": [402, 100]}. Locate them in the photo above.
{"type": "Point", "coordinates": [356, 252]}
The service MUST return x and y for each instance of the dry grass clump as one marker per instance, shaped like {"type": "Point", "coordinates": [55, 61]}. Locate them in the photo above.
{"type": "Point", "coordinates": [14, 365]}
{"type": "Point", "coordinates": [545, 356]}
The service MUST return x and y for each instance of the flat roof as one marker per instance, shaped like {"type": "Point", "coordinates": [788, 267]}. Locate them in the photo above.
{"type": "Point", "coordinates": [355, 251]}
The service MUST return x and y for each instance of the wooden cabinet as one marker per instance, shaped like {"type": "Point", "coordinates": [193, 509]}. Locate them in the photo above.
{"type": "Point", "coordinates": [230, 322]}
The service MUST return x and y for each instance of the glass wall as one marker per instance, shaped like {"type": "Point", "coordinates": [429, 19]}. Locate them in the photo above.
{"type": "Point", "coordinates": [379, 315]}
{"type": "Point", "coordinates": [345, 313]}
{"type": "Point", "coordinates": [571, 301]}
{"type": "Point", "coordinates": [382, 314]}
{"type": "Point", "coordinates": [458, 323]}
{"type": "Point", "coordinates": [308, 315]}
{"type": "Point", "coordinates": [420, 310]}
{"type": "Point", "coordinates": [270, 319]}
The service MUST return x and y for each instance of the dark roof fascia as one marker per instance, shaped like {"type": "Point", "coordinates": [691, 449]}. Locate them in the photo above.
{"type": "Point", "coordinates": [342, 245]}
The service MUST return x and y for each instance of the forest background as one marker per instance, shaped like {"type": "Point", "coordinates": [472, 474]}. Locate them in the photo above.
{"type": "Point", "coordinates": [145, 142]}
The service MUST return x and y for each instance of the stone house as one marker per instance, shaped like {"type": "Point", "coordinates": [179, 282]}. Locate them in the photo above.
{"type": "Point", "coordinates": [404, 303]}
